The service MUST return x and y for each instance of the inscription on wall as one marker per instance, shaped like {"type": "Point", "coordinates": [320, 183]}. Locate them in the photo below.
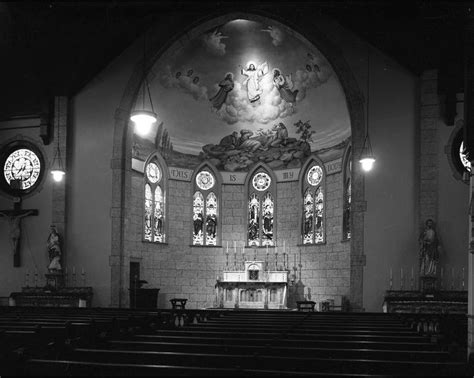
{"type": "Point", "coordinates": [180, 174]}
{"type": "Point", "coordinates": [237, 178]}
{"type": "Point", "coordinates": [287, 174]}
{"type": "Point", "coordinates": [333, 166]}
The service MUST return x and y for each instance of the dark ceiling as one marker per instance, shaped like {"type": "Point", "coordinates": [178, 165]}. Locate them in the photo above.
{"type": "Point", "coordinates": [51, 48]}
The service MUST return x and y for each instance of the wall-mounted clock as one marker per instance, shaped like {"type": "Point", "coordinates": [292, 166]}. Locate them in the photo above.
{"type": "Point", "coordinates": [22, 166]}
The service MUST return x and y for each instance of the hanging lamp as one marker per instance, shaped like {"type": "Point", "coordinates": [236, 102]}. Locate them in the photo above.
{"type": "Point", "coordinates": [367, 158]}
{"type": "Point", "coordinates": [57, 168]}
{"type": "Point", "coordinates": [142, 117]}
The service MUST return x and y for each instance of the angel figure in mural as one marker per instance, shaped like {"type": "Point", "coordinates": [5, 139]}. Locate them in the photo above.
{"type": "Point", "coordinates": [254, 75]}
{"type": "Point", "coordinates": [225, 86]}
{"type": "Point", "coordinates": [429, 250]}
{"type": "Point", "coordinates": [284, 84]}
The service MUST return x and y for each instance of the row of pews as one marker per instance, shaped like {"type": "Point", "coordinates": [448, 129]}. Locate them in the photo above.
{"type": "Point", "coordinates": [123, 342]}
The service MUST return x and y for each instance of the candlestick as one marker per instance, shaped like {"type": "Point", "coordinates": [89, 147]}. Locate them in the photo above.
{"type": "Point", "coordinates": [227, 251]}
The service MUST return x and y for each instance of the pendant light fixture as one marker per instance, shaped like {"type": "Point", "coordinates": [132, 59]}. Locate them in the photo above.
{"type": "Point", "coordinates": [367, 158]}
{"type": "Point", "coordinates": [57, 168]}
{"type": "Point", "coordinates": [144, 118]}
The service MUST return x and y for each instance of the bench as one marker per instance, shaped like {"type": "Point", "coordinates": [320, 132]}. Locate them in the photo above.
{"type": "Point", "coordinates": [305, 305]}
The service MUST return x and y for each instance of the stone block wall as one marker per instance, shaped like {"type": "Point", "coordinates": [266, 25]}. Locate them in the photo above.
{"type": "Point", "coordinates": [179, 269]}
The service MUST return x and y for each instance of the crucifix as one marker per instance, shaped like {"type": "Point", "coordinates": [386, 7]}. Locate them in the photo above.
{"type": "Point", "coordinates": [14, 218]}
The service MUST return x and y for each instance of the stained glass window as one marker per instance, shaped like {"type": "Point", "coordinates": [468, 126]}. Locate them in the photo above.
{"type": "Point", "coordinates": [313, 220]}
{"type": "Point", "coordinates": [205, 209]}
{"type": "Point", "coordinates": [205, 180]}
{"type": "Point", "coordinates": [154, 211]}
{"type": "Point", "coordinates": [211, 219]}
{"type": "Point", "coordinates": [198, 218]}
{"type": "Point", "coordinates": [347, 198]}
{"type": "Point", "coordinates": [261, 210]}
{"type": "Point", "coordinates": [254, 221]}
{"type": "Point", "coordinates": [463, 157]}
{"type": "Point", "coordinates": [148, 212]}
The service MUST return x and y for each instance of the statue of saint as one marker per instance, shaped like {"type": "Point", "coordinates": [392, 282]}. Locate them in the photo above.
{"type": "Point", "coordinates": [429, 250]}
{"type": "Point", "coordinates": [54, 249]}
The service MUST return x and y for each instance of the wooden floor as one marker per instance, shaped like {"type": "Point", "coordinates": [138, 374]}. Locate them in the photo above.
{"type": "Point", "coordinates": [121, 342]}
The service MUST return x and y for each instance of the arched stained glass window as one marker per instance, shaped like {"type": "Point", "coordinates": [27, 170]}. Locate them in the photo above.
{"type": "Point", "coordinates": [347, 198]}
{"type": "Point", "coordinates": [154, 214]}
{"type": "Point", "coordinates": [205, 209]}
{"type": "Point", "coordinates": [159, 235]}
{"type": "Point", "coordinates": [148, 212]}
{"type": "Point", "coordinates": [261, 210]}
{"type": "Point", "coordinates": [198, 218]}
{"type": "Point", "coordinates": [313, 222]}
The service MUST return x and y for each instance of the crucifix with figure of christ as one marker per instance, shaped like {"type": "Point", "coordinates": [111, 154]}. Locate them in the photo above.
{"type": "Point", "coordinates": [14, 218]}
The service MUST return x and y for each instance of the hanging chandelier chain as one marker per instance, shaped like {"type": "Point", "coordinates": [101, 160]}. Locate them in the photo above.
{"type": "Point", "coordinates": [368, 90]}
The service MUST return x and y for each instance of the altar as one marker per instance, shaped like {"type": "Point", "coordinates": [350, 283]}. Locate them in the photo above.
{"type": "Point", "coordinates": [254, 287]}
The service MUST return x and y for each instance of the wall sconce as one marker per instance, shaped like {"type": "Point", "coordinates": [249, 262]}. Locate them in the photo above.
{"type": "Point", "coordinates": [143, 118]}
{"type": "Point", "coordinates": [57, 168]}
{"type": "Point", "coordinates": [367, 158]}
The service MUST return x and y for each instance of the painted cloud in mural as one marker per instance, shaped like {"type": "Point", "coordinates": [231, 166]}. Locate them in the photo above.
{"type": "Point", "coordinates": [186, 82]}
{"type": "Point", "coordinates": [246, 75]}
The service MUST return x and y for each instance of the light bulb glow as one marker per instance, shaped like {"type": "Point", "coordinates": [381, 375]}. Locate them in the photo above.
{"type": "Point", "coordinates": [58, 175]}
{"type": "Point", "coordinates": [367, 163]}
{"type": "Point", "coordinates": [143, 121]}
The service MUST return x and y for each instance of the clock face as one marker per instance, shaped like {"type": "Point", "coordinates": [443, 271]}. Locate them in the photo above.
{"type": "Point", "coordinates": [153, 173]}
{"type": "Point", "coordinates": [24, 165]}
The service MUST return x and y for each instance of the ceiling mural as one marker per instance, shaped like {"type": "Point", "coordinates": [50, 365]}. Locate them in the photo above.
{"type": "Point", "coordinates": [242, 93]}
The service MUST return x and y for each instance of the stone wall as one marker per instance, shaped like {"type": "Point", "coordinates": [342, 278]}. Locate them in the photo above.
{"type": "Point", "coordinates": [179, 269]}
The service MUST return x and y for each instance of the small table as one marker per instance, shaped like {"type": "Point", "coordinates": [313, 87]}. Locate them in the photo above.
{"type": "Point", "coordinates": [178, 303]}
{"type": "Point", "coordinates": [305, 305]}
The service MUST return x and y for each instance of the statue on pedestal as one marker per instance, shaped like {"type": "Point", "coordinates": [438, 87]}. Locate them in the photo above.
{"type": "Point", "coordinates": [54, 250]}
{"type": "Point", "coordinates": [429, 253]}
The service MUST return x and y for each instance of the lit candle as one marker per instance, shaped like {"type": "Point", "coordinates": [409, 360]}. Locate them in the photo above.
{"type": "Point", "coordinates": [283, 247]}
{"type": "Point", "coordinates": [227, 251]}
{"type": "Point", "coordinates": [235, 247]}
{"type": "Point", "coordinates": [391, 273]}
{"type": "Point", "coordinates": [243, 251]}
{"type": "Point", "coordinates": [267, 249]}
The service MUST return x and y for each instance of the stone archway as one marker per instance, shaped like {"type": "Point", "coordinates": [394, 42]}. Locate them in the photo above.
{"type": "Point", "coordinates": [121, 161]}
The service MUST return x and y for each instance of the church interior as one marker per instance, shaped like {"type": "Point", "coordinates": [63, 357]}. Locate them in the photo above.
{"type": "Point", "coordinates": [286, 186]}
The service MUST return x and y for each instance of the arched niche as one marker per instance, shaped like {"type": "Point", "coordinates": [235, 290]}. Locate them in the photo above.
{"type": "Point", "coordinates": [123, 137]}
